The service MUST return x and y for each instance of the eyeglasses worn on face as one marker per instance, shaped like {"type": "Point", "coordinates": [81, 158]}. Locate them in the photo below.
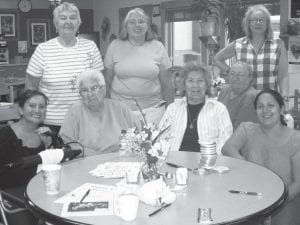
{"type": "Point", "coordinates": [254, 21]}
{"type": "Point", "coordinates": [93, 90]}
{"type": "Point", "coordinates": [136, 22]}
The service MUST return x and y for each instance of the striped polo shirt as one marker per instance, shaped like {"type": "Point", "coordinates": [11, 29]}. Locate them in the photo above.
{"type": "Point", "coordinates": [264, 63]}
{"type": "Point", "coordinates": [59, 68]}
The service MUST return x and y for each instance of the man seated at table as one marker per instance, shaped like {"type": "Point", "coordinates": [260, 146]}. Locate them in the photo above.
{"type": "Point", "coordinates": [95, 122]}
{"type": "Point", "coordinates": [238, 96]}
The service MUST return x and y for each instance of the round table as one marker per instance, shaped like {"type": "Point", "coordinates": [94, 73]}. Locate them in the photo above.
{"type": "Point", "coordinates": [203, 191]}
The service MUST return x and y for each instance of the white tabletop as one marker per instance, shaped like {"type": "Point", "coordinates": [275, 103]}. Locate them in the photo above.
{"type": "Point", "coordinates": [207, 191]}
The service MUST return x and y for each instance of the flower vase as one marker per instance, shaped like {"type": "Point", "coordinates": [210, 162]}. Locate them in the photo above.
{"type": "Point", "coordinates": [149, 171]}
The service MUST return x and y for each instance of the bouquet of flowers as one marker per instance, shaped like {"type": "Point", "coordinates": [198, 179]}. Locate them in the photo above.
{"type": "Point", "coordinates": [146, 141]}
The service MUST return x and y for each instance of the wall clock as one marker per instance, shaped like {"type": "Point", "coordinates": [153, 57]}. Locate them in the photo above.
{"type": "Point", "coordinates": [24, 6]}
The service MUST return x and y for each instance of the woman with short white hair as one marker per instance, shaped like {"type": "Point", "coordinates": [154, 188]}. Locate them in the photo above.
{"type": "Point", "coordinates": [95, 122]}
{"type": "Point", "coordinates": [56, 64]}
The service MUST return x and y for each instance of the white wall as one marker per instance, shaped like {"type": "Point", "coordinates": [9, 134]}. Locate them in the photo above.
{"type": "Point", "coordinates": [110, 9]}
{"type": "Point", "coordinates": [44, 4]}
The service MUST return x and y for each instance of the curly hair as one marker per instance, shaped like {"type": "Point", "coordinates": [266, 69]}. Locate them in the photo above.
{"type": "Point", "coordinates": [194, 66]}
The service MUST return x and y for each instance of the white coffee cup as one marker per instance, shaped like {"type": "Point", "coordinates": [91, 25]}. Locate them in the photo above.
{"type": "Point", "coordinates": [127, 206]}
{"type": "Point", "coordinates": [132, 176]}
{"type": "Point", "coordinates": [51, 174]}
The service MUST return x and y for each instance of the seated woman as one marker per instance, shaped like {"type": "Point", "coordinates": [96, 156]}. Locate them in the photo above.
{"type": "Point", "coordinates": [23, 139]}
{"type": "Point", "coordinates": [196, 116]}
{"type": "Point", "coordinates": [239, 95]}
{"type": "Point", "coordinates": [95, 122]}
{"type": "Point", "coordinates": [272, 144]}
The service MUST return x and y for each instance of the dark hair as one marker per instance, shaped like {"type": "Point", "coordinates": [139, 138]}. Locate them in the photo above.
{"type": "Point", "coordinates": [28, 94]}
{"type": "Point", "coordinates": [278, 98]}
{"type": "Point", "coordinates": [196, 67]}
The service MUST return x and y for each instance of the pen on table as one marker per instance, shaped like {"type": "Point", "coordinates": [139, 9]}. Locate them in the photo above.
{"type": "Point", "coordinates": [245, 192]}
{"type": "Point", "coordinates": [160, 209]}
{"type": "Point", "coordinates": [176, 166]}
{"type": "Point", "coordinates": [85, 195]}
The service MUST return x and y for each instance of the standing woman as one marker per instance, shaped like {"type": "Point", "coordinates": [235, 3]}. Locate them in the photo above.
{"type": "Point", "coordinates": [267, 56]}
{"type": "Point", "coordinates": [56, 64]}
{"type": "Point", "coordinates": [271, 144]}
{"type": "Point", "coordinates": [137, 68]}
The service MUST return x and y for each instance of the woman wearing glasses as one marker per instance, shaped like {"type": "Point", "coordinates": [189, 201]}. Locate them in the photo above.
{"type": "Point", "coordinates": [267, 56]}
{"type": "Point", "coordinates": [95, 122]}
{"type": "Point", "coordinates": [137, 68]}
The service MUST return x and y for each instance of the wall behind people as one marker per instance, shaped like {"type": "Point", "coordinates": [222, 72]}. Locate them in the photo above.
{"type": "Point", "coordinates": [40, 12]}
{"type": "Point", "coordinates": [110, 9]}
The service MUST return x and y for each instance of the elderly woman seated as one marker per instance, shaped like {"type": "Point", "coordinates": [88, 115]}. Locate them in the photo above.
{"type": "Point", "coordinates": [272, 144]}
{"type": "Point", "coordinates": [196, 117]}
{"type": "Point", "coordinates": [95, 122]}
{"type": "Point", "coordinates": [239, 95]}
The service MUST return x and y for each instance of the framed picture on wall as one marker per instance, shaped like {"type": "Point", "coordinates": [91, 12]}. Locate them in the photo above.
{"type": "Point", "coordinates": [8, 24]}
{"type": "Point", "coordinates": [38, 31]}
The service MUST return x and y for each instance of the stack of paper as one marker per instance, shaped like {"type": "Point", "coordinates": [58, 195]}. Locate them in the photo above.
{"type": "Point", "coordinates": [114, 169]}
{"type": "Point", "coordinates": [99, 200]}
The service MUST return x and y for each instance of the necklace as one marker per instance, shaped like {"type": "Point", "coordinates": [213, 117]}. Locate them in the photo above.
{"type": "Point", "coordinates": [193, 112]}
{"type": "Point", "coordinates": [191, 122]}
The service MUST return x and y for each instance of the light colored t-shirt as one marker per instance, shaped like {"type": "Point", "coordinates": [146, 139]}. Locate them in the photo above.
{"type": "Point", "coordinates": [97, 133]}
{"type": "Point", "coordinates": [59, 68]}
{"type": "Point", "coordinates": [136, 71]}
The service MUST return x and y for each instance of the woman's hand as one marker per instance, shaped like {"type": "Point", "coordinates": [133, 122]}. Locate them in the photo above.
{"type": "Point", "coordinates": [45, 138]}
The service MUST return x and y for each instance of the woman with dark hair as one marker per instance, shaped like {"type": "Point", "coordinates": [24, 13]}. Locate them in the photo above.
{"type": "Point", "coordinates": [137, 68]}
{"type": "Point", "coordinates": [196, 117]}
{"type": "Point", "coordinates": [23, 138]}
{"type": "Point", "coordinates": [272, 144]}
{"type": "Point", "coordinates": [266, 55]}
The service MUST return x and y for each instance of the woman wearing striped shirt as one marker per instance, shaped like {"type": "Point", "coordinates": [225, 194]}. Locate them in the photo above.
{"type": "Point", "coordinates": [196, 117]}
{"type": "Point", "coordinates": [266, 55]}
{"type": "Point", "coordinates": [56, 64]}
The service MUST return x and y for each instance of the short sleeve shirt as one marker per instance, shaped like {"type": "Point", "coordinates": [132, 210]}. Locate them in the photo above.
{"type": "Point", "coordinates": [264, 63]}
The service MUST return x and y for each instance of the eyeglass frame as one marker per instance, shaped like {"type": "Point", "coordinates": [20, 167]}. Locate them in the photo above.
{"type": "Point", "coordinates": [257, 21]}
{"type": "Point", "coordinates": [94, 89]}
{"type": "Point", "coordinates": [136, 22]}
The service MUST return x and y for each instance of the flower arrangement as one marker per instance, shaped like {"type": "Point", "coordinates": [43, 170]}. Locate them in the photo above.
{"type": "Point", "coordinates": [146, 141]}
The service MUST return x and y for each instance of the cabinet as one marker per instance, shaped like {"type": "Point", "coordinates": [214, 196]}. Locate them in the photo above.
{"type": "Point", "coordinates": [11, 71]}
{"type": "Point", "coordinates": [13, 76]}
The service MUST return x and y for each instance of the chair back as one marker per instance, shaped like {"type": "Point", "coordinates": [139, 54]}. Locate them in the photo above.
{"type": "Point", "coordinates": [14, 212]}
{"type": "Point", "coordinates": [3, 89]}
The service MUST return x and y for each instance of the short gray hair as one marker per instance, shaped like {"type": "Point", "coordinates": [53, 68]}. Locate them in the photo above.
{"type": "Point", "coordinates": [193, 66]}
{"type": "Point", "coordinates": [65, 6]}
{"type": "Point", "coordinates": [138, 11]}
{"type": "Point", "coordinates": [244, 64]}
{"type": "Point", "coordinates": [246, 21]}
{"type": "Point", "coordinates": [90, 75]}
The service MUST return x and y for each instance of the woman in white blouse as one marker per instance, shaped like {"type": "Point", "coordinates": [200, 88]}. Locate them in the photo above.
{"type": "Point", "coordinates": [196, 117]}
